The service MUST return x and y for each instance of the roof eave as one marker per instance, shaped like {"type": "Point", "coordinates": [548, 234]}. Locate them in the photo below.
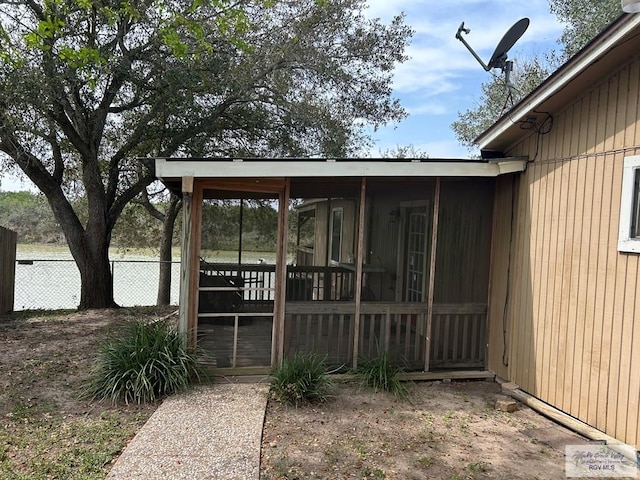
{"type": "Point", "coordinates": [166, 169]}
{"type": "Point", "coordinates": [594, 50]}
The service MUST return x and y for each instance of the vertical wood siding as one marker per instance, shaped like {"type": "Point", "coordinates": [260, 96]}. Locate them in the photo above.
{"type": "Point", "coordinates": [563, 315]}
{"type": "Point", "coordinates": [8, 241]}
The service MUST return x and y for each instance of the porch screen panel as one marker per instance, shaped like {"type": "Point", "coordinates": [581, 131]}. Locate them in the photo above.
{"type": "Point", "coordinates": [396, 270]}
{"type": "Point", "coordinates": [321, 283]}
{"type": "Point", "coordinates": [237, 278]}
{"type": "Point", "coordinates": [458, 327]}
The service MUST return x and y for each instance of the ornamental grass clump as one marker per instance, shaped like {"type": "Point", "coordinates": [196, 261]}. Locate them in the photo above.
{"type": "Point", "coordinates": [301, 379]}
{"type": "Point", "coordinates": [380, 373]}
{"type": "Point", "coordinates": [148, 362]}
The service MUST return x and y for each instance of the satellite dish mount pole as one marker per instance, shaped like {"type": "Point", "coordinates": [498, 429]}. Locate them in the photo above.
{"type": "Point", "coordinates": [459, 36]}
{"type": "Point", "coordinates": [499, 57]}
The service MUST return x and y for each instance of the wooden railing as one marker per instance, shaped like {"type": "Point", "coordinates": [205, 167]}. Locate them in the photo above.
{"type": "Point", "coordinates": [458, 335]}
{"type": "Point", "coordinates": [319, 313]}
{"type": "Point", "coordinates": [255, 284]}
{"type": "Point", "coordinates": [457, 340]}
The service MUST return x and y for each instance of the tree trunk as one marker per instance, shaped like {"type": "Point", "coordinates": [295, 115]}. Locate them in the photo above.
{"type": "Point", "coordinates": [90, 249]}
{"type": "Point", "coordinates": [96, 277]}
{"type": "Point", "coordinates": [96, 289]}
{"type": "Point", "coordinates": [164, 282]}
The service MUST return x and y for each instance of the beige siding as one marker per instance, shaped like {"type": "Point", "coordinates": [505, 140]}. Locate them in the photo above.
{"type": "Point", "coordinates": [501, 251]}
{"type": "Point", "coordinates": [571, 313]}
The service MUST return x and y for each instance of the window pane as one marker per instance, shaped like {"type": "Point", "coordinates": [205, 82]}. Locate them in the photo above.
{"type": "Point", "coordinates": [635, 206]}
{"type": "Point", "coordinates": [336, 234]}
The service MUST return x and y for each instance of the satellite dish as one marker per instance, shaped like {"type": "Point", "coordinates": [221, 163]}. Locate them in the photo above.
{"type": "Point", "coordinates": [499, 57]}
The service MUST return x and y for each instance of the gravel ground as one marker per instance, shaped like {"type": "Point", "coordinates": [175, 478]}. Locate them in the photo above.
{"type": "Point", "coordinates": [211, 432]}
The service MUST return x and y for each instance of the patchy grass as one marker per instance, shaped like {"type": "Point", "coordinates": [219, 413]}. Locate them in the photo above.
{"type": "Point", "coordinates": [440, 434]}
{"type": "Point", "coordinates": [46, 431]}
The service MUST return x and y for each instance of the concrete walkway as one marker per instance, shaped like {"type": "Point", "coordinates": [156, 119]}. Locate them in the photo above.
{"type": "Point", "coordinates": [211, 432]}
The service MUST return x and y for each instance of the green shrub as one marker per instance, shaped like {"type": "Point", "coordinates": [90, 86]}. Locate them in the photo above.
{"type": "Point", "coordinates": [380, 373]}
{"type": "Point", "coordinates": [147, 362]}
{"type": "Point", "coordinates": [301, 379]}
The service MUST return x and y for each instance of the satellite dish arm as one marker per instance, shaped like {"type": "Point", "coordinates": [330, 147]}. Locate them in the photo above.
{"type": "Point", "coordinates": [461, 29]}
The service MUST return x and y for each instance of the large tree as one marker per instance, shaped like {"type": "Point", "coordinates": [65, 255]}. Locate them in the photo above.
{"type": "Point", "coordinates": [86, 86]}
{"type": "Point", "coordinates": [582, 19]}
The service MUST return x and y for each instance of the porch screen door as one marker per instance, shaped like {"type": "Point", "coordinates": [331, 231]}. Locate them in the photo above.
{"type": "Point", "coordinates": [238, 290]}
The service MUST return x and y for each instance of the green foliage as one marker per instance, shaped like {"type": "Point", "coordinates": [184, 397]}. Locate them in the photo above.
{"type": "Point", "coordinates": [582, 20]}
{"type": "Point", "coordinates": [87, 88]}
{"type": "Point", "coordinates": [30, 216]}
{"type": "Point", "coordinates": [137, 229]}
{"type": "Point", "coordinates": [496, 99]}
{"type": "Point", "coordinates": [221, 225]}
{"type": "Point", "coordinates": [301, 379]}
{"type": "Point", "coordinates": [146, 363]}
{"type": "Point", "coordinates": [381, 373]}
{"type": "Point", "coordinates": [406, 151]}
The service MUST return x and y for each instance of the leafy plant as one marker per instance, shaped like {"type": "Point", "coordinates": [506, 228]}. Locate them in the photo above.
{"type": "Point", "coordinates": [380, 373]}
{"type": "Point", "coordinates": [301, 379]}
{"type": "Point", "coordinates": [146, 363]}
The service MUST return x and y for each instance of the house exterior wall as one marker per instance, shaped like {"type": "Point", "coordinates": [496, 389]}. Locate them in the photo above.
{"type": "Point", "coordinates": [563, 314]}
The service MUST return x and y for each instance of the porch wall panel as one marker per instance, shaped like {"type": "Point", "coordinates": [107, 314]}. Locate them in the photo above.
{"type": "Point", "coordinates": [464, 241]}
{"type": "Point", "coordinates": [327, 329]}
{"type": "Point", "coordinates": [384, 232]}
{"type": "Point", "coordinates": [572, 315]}
{"type": "Point", "coordinates": [503, 235]}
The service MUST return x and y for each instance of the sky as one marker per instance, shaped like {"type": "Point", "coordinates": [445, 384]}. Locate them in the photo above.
{"type": "Point", "coordinates": [441, 77]}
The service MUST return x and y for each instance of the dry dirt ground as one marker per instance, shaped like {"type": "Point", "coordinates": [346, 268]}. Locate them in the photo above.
{"type": "Point", "coordinates": [446, 431]}
{"type": "Point", "coordinates": [47, 431]}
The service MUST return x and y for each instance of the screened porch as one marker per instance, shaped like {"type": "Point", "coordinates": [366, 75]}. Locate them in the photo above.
{"type": "Point", "coordinates": [371, 266]}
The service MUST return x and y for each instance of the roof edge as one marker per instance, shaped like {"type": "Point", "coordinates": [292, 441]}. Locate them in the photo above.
{"type": "Point", "coordinates": [589, 54]}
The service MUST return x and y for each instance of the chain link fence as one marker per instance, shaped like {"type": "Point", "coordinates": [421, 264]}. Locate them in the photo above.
{"type": "Point", "coordinates": [55, 284]}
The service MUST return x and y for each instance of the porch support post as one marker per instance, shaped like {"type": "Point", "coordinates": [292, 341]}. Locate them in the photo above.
{"type": "Point", "coordinates": [359, 261]}
{"type": "Point", "coordinates": [432, 273]}
{"type": "Point", "coordinates": [185, 258]}
{"type": "Point", "coordinates": [277, 344]}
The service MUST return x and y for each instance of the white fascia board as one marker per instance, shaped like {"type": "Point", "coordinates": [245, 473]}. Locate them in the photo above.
{"type": "Point", "coordinates": [523, 109]}
{"type": "Point", "coordinates": [166, 169]}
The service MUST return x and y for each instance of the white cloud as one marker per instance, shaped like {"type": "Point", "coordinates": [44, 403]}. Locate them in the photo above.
{"type": "Point", "coordinates": [438, 62]}
{"type": "Point", "coordinates": [428, 108]}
